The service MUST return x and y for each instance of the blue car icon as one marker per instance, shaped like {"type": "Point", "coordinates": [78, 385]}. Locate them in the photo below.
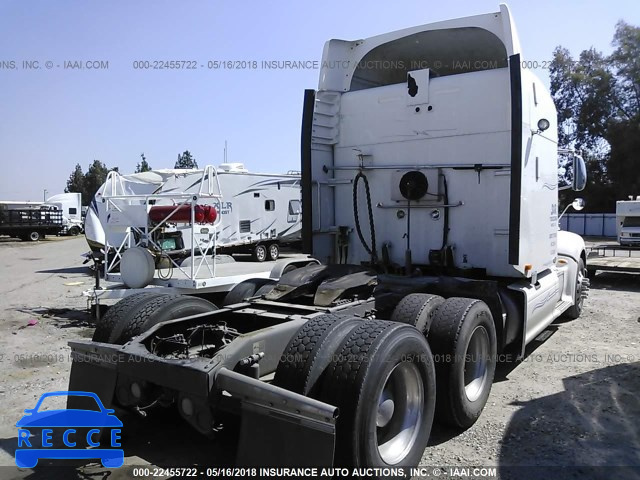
{"type": "Point", "coordinates": [83, 433]}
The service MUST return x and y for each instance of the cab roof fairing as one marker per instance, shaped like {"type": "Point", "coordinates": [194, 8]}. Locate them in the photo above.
{"type": "Point", "coordinates": [340, 58]}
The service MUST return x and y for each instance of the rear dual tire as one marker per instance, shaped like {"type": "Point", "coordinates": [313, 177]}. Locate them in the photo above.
{"type": "Point", "coordinates": [137, 313]}
{"type": "Point", "coordinates": [379, 374]}
{"type": "Point", "coordinates": [463, 340]}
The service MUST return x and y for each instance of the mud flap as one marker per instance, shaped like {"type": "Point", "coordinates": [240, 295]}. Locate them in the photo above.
{"type": "Point", "coordinates": [279, 427]}
{"type": "Point", "coordinates": [93, 370]}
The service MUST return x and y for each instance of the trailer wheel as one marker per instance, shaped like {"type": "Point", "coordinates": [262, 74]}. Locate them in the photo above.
{"type": "Point", "coordinates": [113, 322]}
{"type": "Point", "coordinates": [310, 352]}
{"type": "Point", "coordinates": [260, 253]}
{"type": "Point", "coordinates": [246, 289]}
{"type": "Point", "coordinates": [463, 338]}
{"type": "Point", "coordinates": [274, 251]}
{"type": "Point", "coordinates": [417, 309]}
{"type": "Point", "coordinates": [35, 236]}
{"type": "Point", "coordinates": [383, 381]}
{"type": "Point", "coordinates": [582, 276]}
{"type": "Point", "coordinates": [160, 309]}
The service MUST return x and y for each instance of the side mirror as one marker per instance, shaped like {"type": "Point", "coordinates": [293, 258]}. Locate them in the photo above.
{"type": "Point", "coordinates": [578, 204]}
{"type": "Point", "coordinates": [579, 176]}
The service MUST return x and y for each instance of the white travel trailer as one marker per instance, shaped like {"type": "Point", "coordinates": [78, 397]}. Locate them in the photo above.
{"type": "Point", "coordinates": [258, 212]}
{"type": "Point", "coordinates": [628, 221]}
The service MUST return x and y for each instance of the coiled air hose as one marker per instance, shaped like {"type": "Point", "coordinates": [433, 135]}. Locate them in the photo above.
{"type": "Point", "coordinates": [370, 249]}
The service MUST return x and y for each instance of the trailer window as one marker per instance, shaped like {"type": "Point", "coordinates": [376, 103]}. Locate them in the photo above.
{"type": "Point", "coordinates": [448, 51]}
{"type": "Point", "coordinates": [269, 205]}
{"type": "Point", "coordinates": [73, 211]}
{"type": "Point", "coordinates": [631, 222]}
{"type": "Point", "coordinates": [294, 207]}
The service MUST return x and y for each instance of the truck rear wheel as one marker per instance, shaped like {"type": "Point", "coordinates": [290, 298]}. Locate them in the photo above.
{"type": "Point", "coordinates": [383, 381]}
{"type": "Point", "coordinates": [246, 289]}
{"type": "Point", "coordinates": [417, 309]}
{"type": "Point", "coordinates": [34, 236]}
{"type": "Point", "coordinates": [113, 322]}
{"type": "Point", "coordinates": [463, 338]}
{"type": "Point", "coordinates": [160, 309]}
{"type": "Point", "coordinates": [310, 352]}
{"type": "Point", "coordinates": [260, 252]}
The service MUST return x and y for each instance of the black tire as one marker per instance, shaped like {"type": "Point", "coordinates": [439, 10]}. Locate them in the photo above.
{"type": "Point", "coordinates": [274, 251]}
{"type": "Point", "coordinates": [381, 359]}
{"type": "Point", "coordinates": [115, 319]}
{"type": "Point", "coordinates": [34, 236]}
{"type": "Point", "coordinates": [244, 290]}
{"type": "Point", "coordinates": [289, 268]}
{"type": "Point", "coordinates": [458, 321]}
{"type": "Point", "coordinates": [575, 310]}
{"type": "Point", "coordinates": [74, 231]}
{"type": "Point", "coordinates": [161, 309]}
{"type": "Point", "coordinates": [417, 309]}
{"type": "Point", "coordinates": [310, 352]}
{"type": "Point", "coordinates": [260, 252]}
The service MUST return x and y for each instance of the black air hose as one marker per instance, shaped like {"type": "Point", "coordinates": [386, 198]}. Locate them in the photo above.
{"type": "Point", "coordinates": [371, 250]}
{"type": "Point", "coordinates": [445, 229]}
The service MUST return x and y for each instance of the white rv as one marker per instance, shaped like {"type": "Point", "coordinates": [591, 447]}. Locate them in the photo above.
{"type": "Point", "coordinates": [258, 212]}
{"type": "Point", "coordinates": [628, 221]}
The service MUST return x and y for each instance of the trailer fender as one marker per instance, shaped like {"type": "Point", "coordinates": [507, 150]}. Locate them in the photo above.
{"type": "Point", "coordinates": [286, 263]}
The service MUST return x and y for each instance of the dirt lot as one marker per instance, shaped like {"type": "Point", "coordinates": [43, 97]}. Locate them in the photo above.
{"type": "Point", "coordinates": [573, 401]}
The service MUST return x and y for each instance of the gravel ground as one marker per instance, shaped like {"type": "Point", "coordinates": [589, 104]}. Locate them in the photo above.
{"type": "Point", "coordinates": [573, 401]}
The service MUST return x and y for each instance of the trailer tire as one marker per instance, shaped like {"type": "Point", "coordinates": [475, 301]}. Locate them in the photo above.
{"type": "Point", "coordinates": [246, 289]}
{"type": "Point", "coordinates": [34, 236]}
{"type": "Point", "coordinates": [417, 309]}
{"type": "Point", "coordinates": [310, 352]}
{"type": "Point", "coordinates": [114, 320]}
{"type": "Point", "coordinates": [574, 311]}
{"type": "Point", "coordinates": [463, 338]}
{"type": "Point", "coordinates": [274, 251]}
{"type": "Point", "coordinates": [382, 379]}
{"type": "Point", "coordinates": [160, 309]}
{"type": "Point", "coordinates": [260, 252]}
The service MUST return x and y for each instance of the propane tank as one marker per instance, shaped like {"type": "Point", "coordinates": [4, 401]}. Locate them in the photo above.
{"type": "Point", "coordinates": [202, 213]}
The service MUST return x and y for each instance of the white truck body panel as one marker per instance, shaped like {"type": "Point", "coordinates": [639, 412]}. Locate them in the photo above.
{"type": "Point", "coordinates": [452, 101]}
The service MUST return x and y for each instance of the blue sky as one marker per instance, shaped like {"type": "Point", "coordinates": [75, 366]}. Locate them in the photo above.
{"type": "Point", "coordinates": [52, 119]}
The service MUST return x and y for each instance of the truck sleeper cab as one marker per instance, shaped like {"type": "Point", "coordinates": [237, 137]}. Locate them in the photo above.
{"type": "Point", "coordinates": [429, 193]}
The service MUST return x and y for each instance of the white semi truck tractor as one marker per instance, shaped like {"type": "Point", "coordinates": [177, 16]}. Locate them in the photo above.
{"type": "Point", "coordinates": [430, 197]}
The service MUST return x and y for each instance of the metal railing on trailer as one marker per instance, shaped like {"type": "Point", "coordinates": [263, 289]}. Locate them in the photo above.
{"type": "Point", "coordinates": [133, 220]}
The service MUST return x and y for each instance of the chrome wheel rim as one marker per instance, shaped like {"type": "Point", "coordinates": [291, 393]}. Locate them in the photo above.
{"type": "Point", "coordinates": [261, 253]}
{"type": "Point", "coordinates": [273, 251]}
{"type": "Point", "coordinates": [34, 236]}
{"type": "Point", "coordinates": [399, 412]}
{"type": "Point", "coordinates": [476, 363]}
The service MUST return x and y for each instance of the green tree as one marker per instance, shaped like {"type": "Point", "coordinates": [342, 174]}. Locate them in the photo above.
{"type": "Point", "coordinates": [75, 184]}
{"type": "Point", "coordinates": [143, 166]}
{"type": "Point", "coordinates": [598, 102]}
{"type": "Point", "coordinates": [93, 179]}
{"type": "Point", "coordinates": [186, 160]}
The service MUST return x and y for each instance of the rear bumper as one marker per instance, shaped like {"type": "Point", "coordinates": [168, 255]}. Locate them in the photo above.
{"type": "Point", "coordinates": [277, 427]}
